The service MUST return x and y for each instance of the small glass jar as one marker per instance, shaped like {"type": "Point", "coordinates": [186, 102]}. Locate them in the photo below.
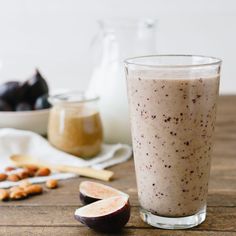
{"type": "Point", "coordinates": [74, 124]}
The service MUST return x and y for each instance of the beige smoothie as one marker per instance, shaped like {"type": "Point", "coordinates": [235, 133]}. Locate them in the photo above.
{"type": "Point", "coordinates": [172, 121]}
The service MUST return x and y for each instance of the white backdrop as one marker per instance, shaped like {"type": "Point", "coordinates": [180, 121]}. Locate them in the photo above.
{"type": "Point", "coordinates": [55, 34]}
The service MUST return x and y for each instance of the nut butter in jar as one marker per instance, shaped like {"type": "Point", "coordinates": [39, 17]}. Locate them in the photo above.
{"type": "Point", "coordinates": [74, 124]}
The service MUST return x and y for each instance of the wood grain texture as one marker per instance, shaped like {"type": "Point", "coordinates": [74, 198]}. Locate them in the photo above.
{"type": "Point", "coordinates": [219, 218]}
{"type": "Point", "coordinates": [52, 213]}
{"type": "Point", "coordinates": [75, 231]}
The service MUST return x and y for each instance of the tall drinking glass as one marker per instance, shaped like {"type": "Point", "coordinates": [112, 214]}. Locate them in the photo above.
{"type": "Point", "coordinates": [173, 100]}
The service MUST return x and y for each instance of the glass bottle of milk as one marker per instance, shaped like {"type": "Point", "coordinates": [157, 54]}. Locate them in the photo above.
{"type": "Point", "coordinates": [117, 40]}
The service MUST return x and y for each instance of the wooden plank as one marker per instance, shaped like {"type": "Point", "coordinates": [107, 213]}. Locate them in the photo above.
{"type": "Point", "coordinates": [218, 219]}
{"type": "Point", "coordinates": [77, 231]}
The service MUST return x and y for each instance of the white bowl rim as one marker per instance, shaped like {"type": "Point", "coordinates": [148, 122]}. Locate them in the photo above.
{"type": "Point", "coordinates": [25, 113]}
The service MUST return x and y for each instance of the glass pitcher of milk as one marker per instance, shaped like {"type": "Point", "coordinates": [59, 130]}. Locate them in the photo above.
{"type": "Point", "coordinates": [117, 40]}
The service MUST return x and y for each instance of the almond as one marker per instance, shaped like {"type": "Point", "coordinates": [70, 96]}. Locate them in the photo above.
{"type": "Point", "coordinates": [33, 189]}
{"type": "Point", "coordinates": [24, 174]}
{"type": "Point", "coordinates": [3, 176]}
{"type": "Point", "coordinates": [44, 171]}
{"type": "Point", "coordinates": [18, 194]}
{"type": "Point", "coordinates": [4, 195]}
{"type": "Point", "coordinates": [15, 188]}
{"type": "Point", "coordinates": [13, 178]}
{"type": "Point", "coordinates": [32, 169]}
{"type": "Point", "coordinates": [10, 168]}
{"type": "Point", "coordinates": [52, 183]}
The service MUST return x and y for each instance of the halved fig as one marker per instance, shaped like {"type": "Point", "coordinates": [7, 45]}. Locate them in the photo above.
{"type": "Point", "coordinates": [108, 215]}
{"type": "Point", "coordinates": [92, 192]}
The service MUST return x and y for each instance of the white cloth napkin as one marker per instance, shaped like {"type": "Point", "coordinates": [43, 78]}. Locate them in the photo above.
{"type": "Point", "coordinates": [14, 141]}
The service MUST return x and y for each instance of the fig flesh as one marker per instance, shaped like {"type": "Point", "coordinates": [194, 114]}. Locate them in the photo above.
{"type": "Point", "coordinates": [107, 215]}
{"type": "Point", "coordinates": [92, 191]}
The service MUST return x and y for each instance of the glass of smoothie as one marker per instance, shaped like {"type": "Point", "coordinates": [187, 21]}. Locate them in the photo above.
{"type": "Point", "coordinates": [173, 101]}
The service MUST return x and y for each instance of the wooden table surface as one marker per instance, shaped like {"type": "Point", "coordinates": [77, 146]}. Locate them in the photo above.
{"type": "Point", "coordinates": [53, 212]}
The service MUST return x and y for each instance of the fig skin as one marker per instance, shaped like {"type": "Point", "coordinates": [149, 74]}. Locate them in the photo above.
{"type": "Point", "coordinates": [110, 223]}
{"type": "Point", "coordinates": [35, 87]}
{"type": "Point", "coordinates": [87, 199]}
{"type": "Point", "coordinates": [23, 106]}
{"type": "Point", "coordinates": [42, 102]}
{"type": "Point", "coordinates": [11, 92]}
{"type": "Point", "coordinates": [4, 106]}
